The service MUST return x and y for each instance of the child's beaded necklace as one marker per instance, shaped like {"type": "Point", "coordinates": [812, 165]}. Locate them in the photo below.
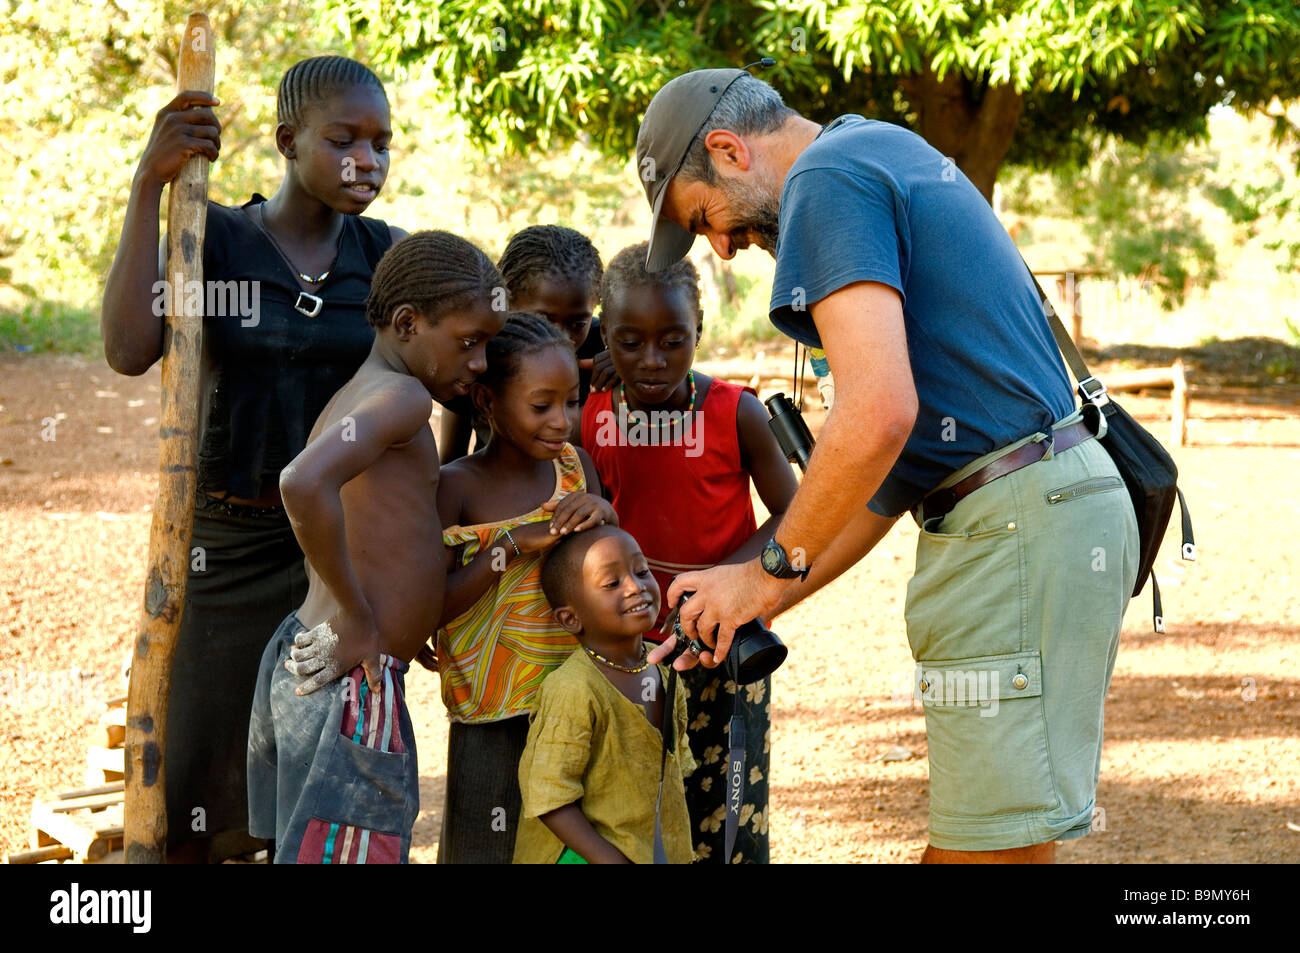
{"type": "Point", "coordinates": [636, 670]}
{"type": "Point", "coordinates": [690, 376]}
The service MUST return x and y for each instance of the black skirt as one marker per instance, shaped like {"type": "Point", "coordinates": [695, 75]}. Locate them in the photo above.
{"type": "Point", "coordinates": [246, 574]}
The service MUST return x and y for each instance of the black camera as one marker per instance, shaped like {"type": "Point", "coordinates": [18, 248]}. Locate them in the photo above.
{"type": "Point", "coordinates": [756, 652]}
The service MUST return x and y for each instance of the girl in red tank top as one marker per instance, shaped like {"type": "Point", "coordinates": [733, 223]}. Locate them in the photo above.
{"type": "Point", "coordinates": [676, 479]}
{"type": "Point", "coordinates": [675, 451]}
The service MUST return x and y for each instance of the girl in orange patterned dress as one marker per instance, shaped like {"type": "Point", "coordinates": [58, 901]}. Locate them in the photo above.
{"type": "Point", "coordinates": [503, 507]}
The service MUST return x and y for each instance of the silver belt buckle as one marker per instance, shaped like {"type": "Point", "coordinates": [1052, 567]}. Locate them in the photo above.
{"type": "Point", "coordinates": [312, 302]}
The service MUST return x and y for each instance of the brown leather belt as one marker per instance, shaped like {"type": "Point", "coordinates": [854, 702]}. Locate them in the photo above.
{"type": "Point", "coordinates": [941, 502]}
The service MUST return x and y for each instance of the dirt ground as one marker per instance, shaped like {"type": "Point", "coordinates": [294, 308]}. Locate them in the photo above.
{"type": "Point", "coordinates": [1202, 754]}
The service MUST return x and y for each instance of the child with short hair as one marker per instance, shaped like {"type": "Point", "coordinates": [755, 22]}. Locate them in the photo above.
{"type": "Point", "coordinates": [502, 508]}
{"type": "Point", "coordinates": [676, 451]}
{"type": "Point", "coordinates": [332, 776]}
{"type": "Point", "coordinates": [599, 783]}
{"type": "Point", "coordinates": [553, 271]}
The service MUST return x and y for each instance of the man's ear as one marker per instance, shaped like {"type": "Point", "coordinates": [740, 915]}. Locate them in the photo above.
{"type": "Point", "coordinates": [568, 619]}
{"type": "Point", "coordinates": [404, 322]}
{"type": "Point", "coordinates": [284, 141]}
{"type": "Point", "coordinates": [728, 150]}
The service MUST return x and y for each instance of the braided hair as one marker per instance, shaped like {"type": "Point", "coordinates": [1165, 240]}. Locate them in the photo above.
{"type": "Point", "coordinates": [543, 250]}
{"type": "Point", "coordinates": [524, 333]}
{"type": "Point", "coordinates": [314, 80]}
{"type": "Point", "coordinates": [434, 272]}
{"type": "Point", "coordinates": [626, 270]}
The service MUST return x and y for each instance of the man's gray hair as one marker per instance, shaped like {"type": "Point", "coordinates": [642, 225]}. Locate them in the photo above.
{"type": "Point", "coordinates": [748, 107]}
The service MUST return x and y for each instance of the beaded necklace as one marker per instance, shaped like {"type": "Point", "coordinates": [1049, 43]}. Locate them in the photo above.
{"type": "Point", "coordinates": [690, 376]}
{"type": "Point", "coordinates": [637, 670]}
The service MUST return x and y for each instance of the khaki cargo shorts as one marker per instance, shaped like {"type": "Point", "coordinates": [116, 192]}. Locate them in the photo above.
{"type": "Point", "coordinates": [1013, 616]}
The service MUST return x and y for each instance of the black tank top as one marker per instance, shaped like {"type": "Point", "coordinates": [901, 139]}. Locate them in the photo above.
{"type": "Point", "coordinates": [268, 375]}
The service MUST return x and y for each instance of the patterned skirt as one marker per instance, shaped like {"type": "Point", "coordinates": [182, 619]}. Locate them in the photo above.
{"type": "Point", "coordinates": [710, 699]}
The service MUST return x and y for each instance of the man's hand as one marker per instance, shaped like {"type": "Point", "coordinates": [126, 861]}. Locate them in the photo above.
{"type": "Point", "coordinates": [336, 646]}
{"type": "Point", "coordinates": [725, 598]}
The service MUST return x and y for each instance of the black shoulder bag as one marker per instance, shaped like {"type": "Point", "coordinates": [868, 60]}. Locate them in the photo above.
{"type": "Point", "coordinates": [1145, 465]}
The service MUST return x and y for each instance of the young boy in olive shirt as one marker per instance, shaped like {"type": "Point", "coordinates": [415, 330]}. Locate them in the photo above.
{"type": "Point", "coordinates": [591, 772]}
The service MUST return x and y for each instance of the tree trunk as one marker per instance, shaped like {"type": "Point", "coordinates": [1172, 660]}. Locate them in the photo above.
{"type": "Point", "coordinates": [970, 123]}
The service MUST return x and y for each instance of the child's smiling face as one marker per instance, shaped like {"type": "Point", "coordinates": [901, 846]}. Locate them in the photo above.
{"type": "Point", "coordinates": [565, 302]}
{"type": "Point", "coordinates": [538, 406]}
{"type": "Point", "coordinates": [651, 332]}
{"type": "Point", "coordinates": [617, 596]}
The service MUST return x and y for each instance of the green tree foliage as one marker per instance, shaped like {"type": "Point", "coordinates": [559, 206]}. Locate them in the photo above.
{"type": "Point", "coordinates": [1173, 216]}
{"type": "Point", "coordinates": [1262, 199]}
{"type": "Point", "coordinates": [1133, 204]}
{"type": "Point", "coordinates": [81, 84]}
{"type": "Point", "coordinates": [1038, 82]}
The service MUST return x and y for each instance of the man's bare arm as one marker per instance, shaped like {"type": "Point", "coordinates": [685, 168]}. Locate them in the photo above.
{"type": "Point", "coordinates": [862, 332]}
{"type": "Point", "coordinates": [858, 538]}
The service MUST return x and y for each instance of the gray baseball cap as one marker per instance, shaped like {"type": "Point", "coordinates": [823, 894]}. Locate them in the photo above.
{"type": "Point", "coordinates": [671, 123]}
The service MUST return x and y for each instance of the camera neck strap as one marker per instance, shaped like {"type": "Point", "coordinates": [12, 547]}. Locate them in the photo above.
{"type": "Point", "coordinates": [796, 381]}
{"type": "Point", "coordinates": [735, 760]}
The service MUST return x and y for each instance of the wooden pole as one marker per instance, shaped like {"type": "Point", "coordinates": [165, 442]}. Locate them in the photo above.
{"type": "Point", "coordinates": [1174, 377]}
{"type": "Point", "coordinates": [1076, 312]}
{"type": "Point", "coordinates": [145, 817]}
{"type": "Point", "coordinates": [1067, 287]}
{"type": "Point", "coordinates": [1182, 405]}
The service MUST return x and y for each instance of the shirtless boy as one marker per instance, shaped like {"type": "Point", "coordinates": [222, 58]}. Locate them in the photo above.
{"type": "Point", "coordinates": [332, 775]}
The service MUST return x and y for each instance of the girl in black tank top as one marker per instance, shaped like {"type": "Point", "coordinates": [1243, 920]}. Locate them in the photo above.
{"type": "Point", "coordinates": [285, 286]}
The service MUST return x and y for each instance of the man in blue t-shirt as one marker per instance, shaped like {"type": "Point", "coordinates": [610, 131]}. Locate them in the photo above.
{"type": "Point", "coordinates": [951, 402]}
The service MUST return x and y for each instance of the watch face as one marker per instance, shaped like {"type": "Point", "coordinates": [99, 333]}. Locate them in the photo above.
{"type": "Point", "coordinates": [772, 558]}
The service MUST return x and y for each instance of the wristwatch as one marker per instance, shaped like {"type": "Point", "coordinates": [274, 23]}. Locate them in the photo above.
{"type": "Point", "coordinates": [776, 564]}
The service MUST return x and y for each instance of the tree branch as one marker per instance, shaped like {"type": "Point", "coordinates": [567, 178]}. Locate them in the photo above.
{"type": "Point", "coordinates": [702, 18]}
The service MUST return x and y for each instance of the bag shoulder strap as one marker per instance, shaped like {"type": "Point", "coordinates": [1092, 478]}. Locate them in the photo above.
{"type": "Point", "coordinates": [1068, 348]}
{"type": "Point", "coordinates": [1189, 542]}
